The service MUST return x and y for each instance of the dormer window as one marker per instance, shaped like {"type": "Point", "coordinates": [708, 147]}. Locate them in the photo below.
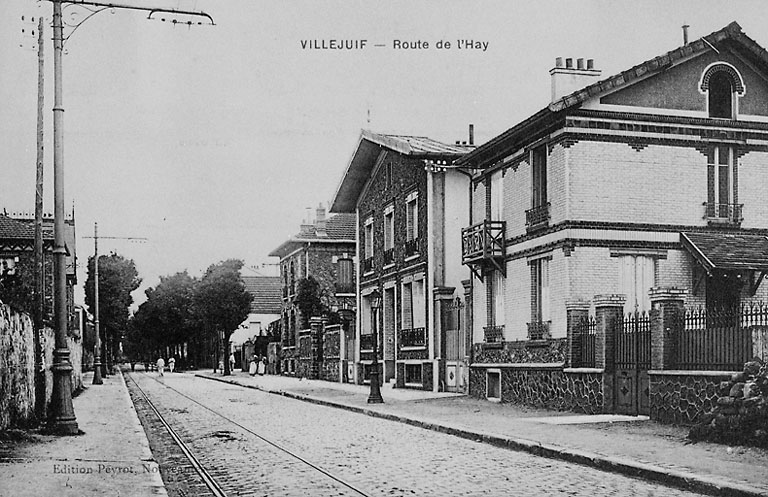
{"type": "Point", "coordinates": [720, 96]}
{"type": "Point", "coordinates": [722, 84]}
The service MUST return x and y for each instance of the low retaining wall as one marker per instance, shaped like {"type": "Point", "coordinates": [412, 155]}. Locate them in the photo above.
{"type": "Point", "coordinates": [682, 397]}
{"type": "Point", "coordinates": [543, 385]}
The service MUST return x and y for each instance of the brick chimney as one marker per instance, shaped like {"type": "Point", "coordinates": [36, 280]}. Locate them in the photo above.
{"type": "Point", "coordinates": [566, 79]}
{"type": "Point", "coordinates": [320, 221]}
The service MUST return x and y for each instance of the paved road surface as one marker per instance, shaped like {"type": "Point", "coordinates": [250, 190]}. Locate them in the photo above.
{"type": "Point", "coordinates": [277, 446]}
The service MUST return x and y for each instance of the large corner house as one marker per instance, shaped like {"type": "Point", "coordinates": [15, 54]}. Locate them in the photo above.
{"type": "Point", "coordinates": [411, 204]}
{"type": "Point", "coordinates": [652, 178]}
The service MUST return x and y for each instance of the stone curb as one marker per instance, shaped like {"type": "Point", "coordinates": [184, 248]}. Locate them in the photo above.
{"type": "Point", "coordinates": [680, 479]}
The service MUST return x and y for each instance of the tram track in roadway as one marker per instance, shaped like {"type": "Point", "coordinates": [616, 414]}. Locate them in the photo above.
{"type": "Point", "coordinates": [217, 480]}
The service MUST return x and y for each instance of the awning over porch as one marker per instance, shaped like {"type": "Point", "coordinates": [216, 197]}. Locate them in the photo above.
{"type": "Point", "coordinates": [728, 251]}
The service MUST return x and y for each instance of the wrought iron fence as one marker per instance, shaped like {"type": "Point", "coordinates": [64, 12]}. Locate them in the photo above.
{"type": "Point", "coordinates": [494, 334]}
{"type": "Point", "coordinates": [539, 330]}
{"type": "Point", "coordinates": [389, 256]}
{"type": "Point", "coordinates": [718, 339]}
{"type": "Point", "coordinates": [413, 337]}
{"type": "Point", "coordinates": [586, 332]}
{"type": "Point", "coordinates": [411, 247]}
{"type": "Point", "coordinates": [366, 342]}
{"type": "Point", "coordinates": [367, 264]}
{"type": "Point", "coordinates": [537, 216]}
{"type": "Point", "coordinates": [729, 213]}
{"type": "Point", "coordinates": [633, 343]}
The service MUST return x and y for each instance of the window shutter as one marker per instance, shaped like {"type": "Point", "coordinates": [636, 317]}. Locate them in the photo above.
{"type": "Point", "coordinates": [407, 308]}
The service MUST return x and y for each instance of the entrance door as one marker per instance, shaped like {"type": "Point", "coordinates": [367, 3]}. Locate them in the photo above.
{"type": "Point", "coordinates": [632, 361]}
{"type": "Point", "coordinates": [455, 346]}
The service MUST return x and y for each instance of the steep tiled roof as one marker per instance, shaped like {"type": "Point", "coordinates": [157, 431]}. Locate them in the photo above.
{"type": "Point", "coordinates": [266, 293]}
{"type": "Point", "coordinates": [17, 230]}
{"type": "Point", "coordinates": [490, 152]}
{"type": "Point", "coordinates": [369, 146]}
{"type": "Point", "coordinates": [731, 251]}
{"type": "Point", "coordinates": [416, 145]}
{"type": "Point", "coordinates": [339, 228]}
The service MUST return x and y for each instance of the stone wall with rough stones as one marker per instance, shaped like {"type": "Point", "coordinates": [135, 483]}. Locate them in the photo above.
{"type": "Point", "coordinates": [545, 388]}
{"type": "Point", "coordinates": [684, 397]}
{"type": "Point", "coordinates": [17, 366]}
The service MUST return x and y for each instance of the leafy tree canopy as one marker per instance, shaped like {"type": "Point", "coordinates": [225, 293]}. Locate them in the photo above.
{"type": "Point", "coordinates": [221, 298]}
{"type": "Point", "coordinates": [118, 277]}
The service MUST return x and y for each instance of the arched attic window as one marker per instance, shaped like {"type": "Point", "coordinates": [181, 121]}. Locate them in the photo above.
{"type": "Point", "coordinates": [722, 83]}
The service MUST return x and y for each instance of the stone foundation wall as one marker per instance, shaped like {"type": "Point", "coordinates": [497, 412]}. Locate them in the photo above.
{"type": "Point", "coordinates": [682, 397]}
{"type": "Point", "coordinates": [549, 388]}
{"type": "Point", "coordinates": [329, 370]}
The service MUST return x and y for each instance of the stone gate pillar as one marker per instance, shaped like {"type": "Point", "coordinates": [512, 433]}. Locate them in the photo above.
{"type": "Point", "coordinates": [609, 315]}
{"type": "Point", "coordinates": [667, 313]}
{"type": "Point", "coordinates": [577, 312]}
{"type": "Point", "coordinates": [316, 332]}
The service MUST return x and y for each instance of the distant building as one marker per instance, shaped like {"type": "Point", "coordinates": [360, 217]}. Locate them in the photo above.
{"type": "Point", "coordinates": [17, 251]}
{"type": "Point", "coordinates": [324, 250]}
{"type": "Point", "coordinates": [265, 308]}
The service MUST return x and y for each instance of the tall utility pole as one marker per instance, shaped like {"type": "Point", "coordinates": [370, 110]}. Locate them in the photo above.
{"type": "Point", "coordinates": [99, 368]}
{"type": "Point", "coordinates": [62, 419]}
{"type": "Point", "coordinates": [39, 272]}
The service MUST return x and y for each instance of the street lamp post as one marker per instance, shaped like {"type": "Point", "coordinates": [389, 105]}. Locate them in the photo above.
{"type": "Point", "coordinates": [375, 395]}
{"type": "Point", "coordinates": [62, 420]}
{"type": "Point", "coordinates": [97, 380]}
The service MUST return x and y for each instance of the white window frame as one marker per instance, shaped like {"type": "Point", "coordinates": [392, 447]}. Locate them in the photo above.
{"type": "Point", "coordinates": [412, 229]}
{"type": "Point", "coordinates": [368, 233]}
{"type": "Point", "coordinates": [389, 227]}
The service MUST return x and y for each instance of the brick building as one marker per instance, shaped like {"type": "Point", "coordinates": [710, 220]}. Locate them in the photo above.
{"type": "Point", "coordinates": [411, 204]}
{"type": "Point", "coordinates": [17, 242]}
{"type": "Point", "coordinates": [654, 177]}
{"type": "Point", "coordinates": [323, 250]}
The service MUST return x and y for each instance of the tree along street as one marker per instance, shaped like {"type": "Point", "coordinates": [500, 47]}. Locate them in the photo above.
{"type": "Point", "coordinates": [255, 443]}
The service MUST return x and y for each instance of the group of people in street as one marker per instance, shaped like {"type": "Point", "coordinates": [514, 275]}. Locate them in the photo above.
{"type": "Point", "coordinates": [161, 365]}
{"type": "Point", "coordinates": [258, 365]}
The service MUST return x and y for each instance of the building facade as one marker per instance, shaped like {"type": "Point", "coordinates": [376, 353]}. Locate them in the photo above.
{"type": "Point", "coordinates": [410, 204]}
{"type": "Point", "coordinates": [651, 178]}
{"type": "Point", "coordinates": [325, 252]}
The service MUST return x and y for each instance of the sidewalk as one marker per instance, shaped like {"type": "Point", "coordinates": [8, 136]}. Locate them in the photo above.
{"type": "Point", "coordinates": [632, 446]}
{"type": "Point", "coordinates": [111, 457]}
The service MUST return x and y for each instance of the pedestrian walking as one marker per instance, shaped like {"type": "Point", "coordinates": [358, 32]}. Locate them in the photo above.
{"type": "Point", "coordinates": [171, 364]}
{"type": "Point", "coordinates": [262, 367]}
{"type": "Point", "coordinates": [252, 366]}
{"type": "Point", "coordinates": [231, 362]}
{"type": "Point", "coordinates": [160, 366]}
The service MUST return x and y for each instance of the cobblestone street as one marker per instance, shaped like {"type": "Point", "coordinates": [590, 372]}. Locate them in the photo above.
{"type": "Point", "coordinates": [253, 451]}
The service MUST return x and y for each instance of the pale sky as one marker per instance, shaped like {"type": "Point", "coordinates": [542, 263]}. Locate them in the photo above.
{"type": "Point", "coordinates": [212, 141]}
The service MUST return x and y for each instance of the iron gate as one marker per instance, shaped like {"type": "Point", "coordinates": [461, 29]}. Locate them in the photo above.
{"type": "Point", "coordinates": [632, 361]}
{"type": "Point", "coordinates": [455, 346]}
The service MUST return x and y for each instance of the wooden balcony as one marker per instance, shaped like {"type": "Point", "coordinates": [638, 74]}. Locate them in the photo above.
{"type": "Point", "coordinates": [484, 244]}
